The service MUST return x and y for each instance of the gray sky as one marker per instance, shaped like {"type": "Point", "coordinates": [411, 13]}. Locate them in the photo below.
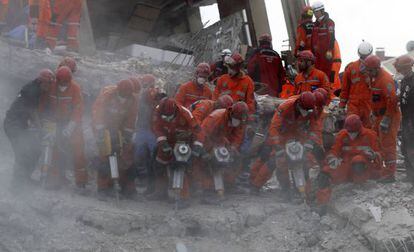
{"type": "Point", "coordinates": [383, 23]}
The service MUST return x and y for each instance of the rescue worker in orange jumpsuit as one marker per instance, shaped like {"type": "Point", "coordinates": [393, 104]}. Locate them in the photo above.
{"type": "Point", "coordinates": [404, 66]}
{"type": "Point", "coordinates": [356, 93]}
{"type": "Point", "coordinates": [40, 16]}
{"type": "Point", "coordinates": [171, 123]}
{"type": "Point", "coordinates": [223, 127]}
{"type": "Point", "coordinates": [218, 68]}
{"type": "Point", "coordinates": [293, 119]}
{"type": "Point", "coordinates": [65, 12]}
{"type": "Point", "coordinates": [236, 83]}
{"type": "Point", "coordinates": [203, 108]}
{"type": "Point", "coordinates": [323, 40]}
{"type": "Point", "coordinates": [64, 107]}
{"type": "Point", "coordinates": [265, 66]}
{"type": "Point", "coordinates": [304, 31]}
{"type": "Point", "coordinates": [386, 112]}
{"type": "Point", "coordinates": [355, 157]}
{"type": "Point", "coordinates": [19, 122]}
{"type": "Point", "coordinates": [196, 89]}
{"type": "Point", "coordinates": [309, 78]}
{"type": "Point", "coordinates": [113, 115]}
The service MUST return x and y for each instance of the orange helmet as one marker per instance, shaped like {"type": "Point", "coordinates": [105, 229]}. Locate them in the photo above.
{"type": "Point", "coordinates": [167, 109]}
{"type": "Point", "coordinates": [320, 100]}
{"type": "Point", "coordinates": [46, 75]}
{"type": "Point", "coordinates": [239, 111]}
{"type": "Point", "coordinates": [148, 80]}
{"type": "Point", "coordinates": [203, 70]}
{"type": "Point", "coordinates": [136, 84]}
{"type": "Point", "coordinates": [353, 123]}
{"type": "Point", "coordinates": [64, 75]}
{"type": "Point", "coordinates": [307, 100]}
{"type": "Point", "coordinates": [372, 62]}
{"type": "Point", "coordinates": [69, 62]}
{"type": "Point", "coordinates": [306, 55]}
{"type": "Point", "coordinates": [225, 101]}
{"type": "Point", "coordinates": [324, 93]}
{"type": "Point", "coordinates": [125, 88]}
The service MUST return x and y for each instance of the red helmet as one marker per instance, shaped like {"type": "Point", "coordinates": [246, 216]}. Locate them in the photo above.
{"type": "Point", "coordinates": [353, 123]}
{"type": "Point", "coordinates": [63, 75]}
{"type": "Point", "coordinates": [46, 75]}
{"type": "Point", "coordinates": [203, 70]}
{"type": "Point", "coordinates": [404, 61]}
{"type": "Point", "coordinates": [167, 108]}
{"type": "Point", "coordinates": [266, 37]}
{"type": "Point", "coordinates": [307, 12]}
{"type": "Point", "coordinates": [239, 110]}
{"type": "Point", "coordinates": [372, 62]}
{"type": "Point", "coordinates": [306, 55]}
{"type": "Point", "coordinates": [147, 80]}
{"type": "Point", "coordinates": [69, 62]}
{"type": "Point", "coordinates": [125, 88]}
{"type": "Point", "coordinates": [324, 93]}
{"type": "Point", "coordinates": [320, 100]}
{"type": "Point", "coordinates": [225, 101]}
{"type": "Point", "coordinates": [307, 100]}
{"type": "Point", "coordinates": [136, 84]}
{"type": "Point", "coordinates": [234, 60]}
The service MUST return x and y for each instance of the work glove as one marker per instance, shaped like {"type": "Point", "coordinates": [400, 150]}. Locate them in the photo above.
{"type": "Point", "coordinates": [334, 162]}
{"type": "Point", "coordinates": [329, 55]}
{"type": "Point", "coordinates": [385, 124]}
{"type": "Point", "coordinates": [264, 153]}
{"type": "Point", "coordinates": [165, 147]}
{"type": "Point", "coordinates": [69, 129]}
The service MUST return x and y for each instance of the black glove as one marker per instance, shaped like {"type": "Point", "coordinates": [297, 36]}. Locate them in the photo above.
{"type": "Point", "coordinates": [332, 77]}
{"type": "Point", "coordinates": [264, 153]}
{"type": "Point", "coordinates": [323, 180]}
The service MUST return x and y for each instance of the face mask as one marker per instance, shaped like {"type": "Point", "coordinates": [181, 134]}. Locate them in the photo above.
{"type": "Point", "coordinates": [235, 122]}
{"type": "Point", "coordinates": [62, 88]}
{"type": "Point", "coordinates": [201, 80]}
{"type": "Point", "coordinates": [353, 135]}
{"type": "Point", "coordinates": [167, 118]}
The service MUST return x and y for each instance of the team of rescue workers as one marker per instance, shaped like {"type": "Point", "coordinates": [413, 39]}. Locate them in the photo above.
{"type": "Point", "coordinates": [198, 141]}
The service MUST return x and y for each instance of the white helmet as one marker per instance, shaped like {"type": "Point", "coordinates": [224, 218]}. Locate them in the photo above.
{"type": "Point", "coordinates": [318, 6]}
{"type": "Point", "coordinates": [365, 49]}
{"type": "Point", "coordinates": [410, 46]}
{"type": "Point", "coordinates": [226, 52]}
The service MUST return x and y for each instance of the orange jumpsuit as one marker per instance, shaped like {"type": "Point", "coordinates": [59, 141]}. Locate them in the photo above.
{"type": "Point", "coordinates": [304, 36]}
{"type": "Point", "coordinates": [346, 149]}
{"type": "Point", "coordinates": [110, 114]}
{"type": "Point", "coordinates": [385, 104]}
{"type": "Point", "coordinates": [201, 109]}
{"type": "Point", "coordinates": [190, 92]}
{"type": "Point", "coordinates": [215, 131]}
{"type": "Point", "coordinates": [311, 81]}
{"type": "Point", "coordinates": [286, 124]}
{"type": "Point", "coordinates": [336, 66]}
{"type": "Point", "coordinates": [63, 107]}
{"type": "Point", "coordinates": [41, 10]}
{"type": "Point", "coordinates": [240, 88]}
{"type": "Point", "coordinates": [288, 89]}
{"type": "Point", "coordinates": [356, 92]}
{"type": "Point", "coordinates": [4, 7]}
{"type": "Point", "coordinates": [65, 12]}
{"type": "Point", "coordinates": [184, 122]}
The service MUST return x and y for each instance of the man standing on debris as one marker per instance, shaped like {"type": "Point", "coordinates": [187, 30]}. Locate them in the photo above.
{"type": "Point", "coordinates": [323, 40]}
{"type": "Point", "coordinates": [218, 68]}
{"type": "Point", "coordinates": [356, 92]}
{"type": "Point", "coordinates": [355, 157]}
{"type": "Point", "coordinates": [265, 66]}
{"type": "Point", "coordinates": [65, 12]}
{"type": "Point", "coordinates": [386, 112]}
{"type": "Point", "coordinates": [294, 119]}
{"type": "Point", "coordinates": [309, 78]}
{"type": "Point", "coordinates": [223, 127]}
{"type": "Point", "coordinates": [196, 89]}
{"type": "Point", "coordinates": [171, 123]}
{"type": "Point", "coordinates": [21, 118]}
{"type": "Point", "coordinates": [64, 108]}
{"type": "Point", "coordinates": [404, 66]}
{"type": "Point", "coordinates": [203, 108]}
{"type": "Point", "coordinates": [236, 83]}
{"type": "Point", "coordinates": [113, 117]}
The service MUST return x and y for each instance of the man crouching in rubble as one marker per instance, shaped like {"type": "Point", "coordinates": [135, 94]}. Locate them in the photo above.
{"type": "Point", "coordinates": [353, 158]}
{"type": "Point", "coordinates": [21, 118]}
